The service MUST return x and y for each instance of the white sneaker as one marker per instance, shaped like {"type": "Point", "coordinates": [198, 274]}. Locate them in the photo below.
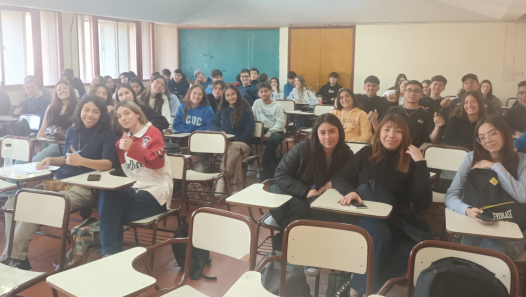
{"type": "Point", "coordinates": [312, 271]}
{"type": "Point", "coordinates": [201, 167]}
{"type": "Point", "coordinates": [220, 186]}
{"type": "Point", "coordinates": [252, 169]}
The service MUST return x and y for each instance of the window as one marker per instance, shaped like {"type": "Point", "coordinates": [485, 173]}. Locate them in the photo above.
{"type": "Point", "coordinates": [117, 47]}
{"type": "Point", "coordinates": [85, 46]}
{"type": "Point", "coordinates": [147, 46]}
{"type": "Point", "coordinates": [51, 47]}
{"type": "Point", "coordinates": [17, 41]}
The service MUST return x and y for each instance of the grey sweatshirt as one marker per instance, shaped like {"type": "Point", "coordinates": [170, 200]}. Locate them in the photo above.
{"type": "Point", "coordinates": [272, 115]}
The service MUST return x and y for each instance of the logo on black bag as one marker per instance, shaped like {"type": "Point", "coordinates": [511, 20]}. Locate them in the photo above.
{"type": "Point", "coordinates": [503, 215]}
{"type": "Point", "coordinates": [493, 181]}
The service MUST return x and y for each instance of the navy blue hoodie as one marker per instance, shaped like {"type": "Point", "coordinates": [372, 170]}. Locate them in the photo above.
{"type": "Point", "coordinates": [244, 129]}
{"type": "Point", "coordinates": [196, 118]}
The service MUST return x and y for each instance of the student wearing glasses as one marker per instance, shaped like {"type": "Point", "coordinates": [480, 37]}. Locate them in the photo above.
{"type": "Point", "coordinates": [423, 126]}
{"type": "Point", "coordinates": [516, 116]}
{"type": "Point", "coordinates": [247, 89]}
{"type": "Point", "coordinates": [492, 149]}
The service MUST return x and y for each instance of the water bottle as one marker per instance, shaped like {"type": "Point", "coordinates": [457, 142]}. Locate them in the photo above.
{"type": "Point", "coordinates": [8, 160]}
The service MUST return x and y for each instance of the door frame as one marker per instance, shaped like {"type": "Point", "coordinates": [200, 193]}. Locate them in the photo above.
{"type": "Point", "coordinates": [328, 27]}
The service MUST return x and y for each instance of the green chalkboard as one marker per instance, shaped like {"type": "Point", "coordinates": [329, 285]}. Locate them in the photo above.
{"type": "Point", "coordinates": [229, 51]}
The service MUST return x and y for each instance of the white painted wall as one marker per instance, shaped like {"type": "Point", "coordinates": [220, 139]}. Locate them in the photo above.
{"type": "Point", "coordinates": [283, 55]}
{"type": "Point", "coordinates": [490, 50]}
{"type": "Point", "coordinates": [166, 47]}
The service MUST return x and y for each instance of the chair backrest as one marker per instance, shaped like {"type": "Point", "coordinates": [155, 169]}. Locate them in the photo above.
{"type": "Point", "coordinates": [258, 129]}
{"type": "Point", "coordinates": [510, 102]}
{"type": "Point", "coordinates": [427, 252]}
{"type": "Point", "coordinates": [322, 109]}
{"type": "Point", "coordinates": [177, 165]}
{"type": "Point", "coordinates": [357, 145]}
{"type": "Point", "coordinates": [224, 232]}
{"type": "Point", "coordinates": [288, 105]}
{"type": "Point", "coordinates": [328, 245]}
{"type": "Point", "coordinates": [444, 157]}
{"type": "Point", "coordinates": [33, 120]}
{"type": "Point", "coordinates": [207, 142]}
{"type": "Point", "coordinates": [22, 149]}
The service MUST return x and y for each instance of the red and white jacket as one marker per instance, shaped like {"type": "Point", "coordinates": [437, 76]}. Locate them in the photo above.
{"type": "Point", "coordinates": [145, 161]}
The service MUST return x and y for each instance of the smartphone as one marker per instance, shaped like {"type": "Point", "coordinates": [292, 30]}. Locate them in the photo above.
{"type": "Point", "coordinates": [359, 206]}
{"type": "Point", "coordinates": [94, 177]}
{"type": "Point", "coordinates": [486, 218]}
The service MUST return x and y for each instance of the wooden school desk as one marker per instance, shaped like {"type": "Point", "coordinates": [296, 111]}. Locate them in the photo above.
{"type": "Point", "coordinates": [328, 201]}
{"type": "Point", "coordinates": [112, 276]}
{"type": "Point", "coordinates": [257, 197]}
{"type": "Point", "coordinates": [27, 172]}
{"type": "Point", "coordinates": [107, 181]}
{"type": "Point", "coordinates": [299, 112]}
{"type": "Point", "coordinates": [460, 224]}
{"type": "Point", "coordinates": [185, 135]}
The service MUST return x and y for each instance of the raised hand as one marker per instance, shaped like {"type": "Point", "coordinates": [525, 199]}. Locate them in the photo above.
{"type": "Point", "coordinates": [74, 159]}
{"type": "Point", "coordinates": [125, 142]}
{"type": "Point", "coordinates": [445, 102]}
{"type": "Point", "coordinates": [439, 121]}
{"type": "Point", "coordinates": [373, 116]}
{"type": "Point", "coordinates": [415, 153]}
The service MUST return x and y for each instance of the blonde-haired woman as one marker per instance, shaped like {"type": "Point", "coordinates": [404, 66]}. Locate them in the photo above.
{"type": "Point", "coordinates": [141, 154]}
{"type": "Point", "coordinates": [302, 94]}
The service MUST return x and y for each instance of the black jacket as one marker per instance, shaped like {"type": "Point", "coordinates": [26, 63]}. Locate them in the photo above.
{"type": "Point", "coordinates": [329, 92]}
{"type": "Point", "coordinates": [291, 175]}
{"type": "Point", "coordinates": [212, 101]}
{"type": "Point", "coordinates": [515, 117]}
{"type": "Point", "coordinates": [445, 111]}
{"type": "Point", "coordinates": [178, 89]}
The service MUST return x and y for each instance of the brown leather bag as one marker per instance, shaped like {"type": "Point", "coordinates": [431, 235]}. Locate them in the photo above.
{"type": "Point", "coordinates": [55, 133]}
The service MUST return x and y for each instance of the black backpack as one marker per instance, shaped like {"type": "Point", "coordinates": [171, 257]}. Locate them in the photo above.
{"type": "Point", "coordinates": [200, 258]}
{"type": "Point", "coordinates": [454, 277]}
{"type": "Point", "coordinates": [20, 128]}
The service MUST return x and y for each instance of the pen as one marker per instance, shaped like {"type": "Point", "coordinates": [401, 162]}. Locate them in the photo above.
{"type": "Point", "coordinates": [77, 152]}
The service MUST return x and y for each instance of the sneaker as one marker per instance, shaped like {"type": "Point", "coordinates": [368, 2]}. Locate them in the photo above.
{"type": "Point", "coordinates": [201, 167]}
{"type": "Point", "coordinates": [312, 271]}
{"type": "Point", "coordinates": [21, 264]}
{"type": "Point", "coordinates": [252, 169]}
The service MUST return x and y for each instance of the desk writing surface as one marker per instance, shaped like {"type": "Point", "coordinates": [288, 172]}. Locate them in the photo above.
{"type": "Point", "coordinates": [256, 196]}
{"type": "Point", "coordinates": [27, 172]}
{"type": "Point", "coordinates": [107, 181]}
{"type": "Point", "coordinates": [328, 201]}
{"type": "Point", "coordinates": [108, 277]}
{"type": "Point", "coordinates": [457, 223]}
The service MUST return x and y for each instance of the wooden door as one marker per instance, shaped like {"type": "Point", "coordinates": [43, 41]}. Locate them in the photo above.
{"type": "Point", "coordinates": [305, 55]}
{"type": "Point", "coordinates": [315, 53]}
{"type": "Point", "coordinates": [336, 55]}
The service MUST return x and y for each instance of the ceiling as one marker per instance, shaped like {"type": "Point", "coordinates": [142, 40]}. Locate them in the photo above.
{"type": "Point", "coordinates": [289, 12]}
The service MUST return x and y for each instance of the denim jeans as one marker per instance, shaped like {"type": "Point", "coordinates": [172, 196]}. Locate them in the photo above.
{"type": "Point", "coordinates": [511, 248]}
{"type": "Point", "coordinates": [271, 146]}
{"type": "Point", "coordinates": [119, 207]}
{"type": "Point", "coordinates": [391, 252]}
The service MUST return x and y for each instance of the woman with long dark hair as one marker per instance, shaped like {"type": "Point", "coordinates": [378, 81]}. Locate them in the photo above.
{"type": "Point", "coordinates": [58, 113]}
{"type": "Point", "coordinates": [486, 89]}
{"type": "Point", "coordinates": [396, 96]}
{"type": "Point", "coordinates": [354, 120]}
{"type": "Point", "coordinates": [463, 120]}
{"type": "Point", "coordinates": [306, 170]}
{"type": "Point", "coordinates": [395, 172]}
{"type": "Point", "coordinates": [492, 149]}
{"type": "Point", "coordinates": [104, 92]}
{"type": "Point", "coordinates": [137, 86]}
{"type": "Point", "coordinates": [235, 117]}
{"type": "Point", "coordinates": [155, 97]}
{"type": "Point", "coordinates": [277, 94]}
{"type": "Point", "coordinates": [399, 79]}
{"type": "Point", "coordinates": [218, 94]}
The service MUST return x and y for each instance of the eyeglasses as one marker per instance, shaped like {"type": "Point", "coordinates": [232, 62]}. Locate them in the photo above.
{"type": "Point", "coordinates": [521, 94]}
{"type": "Point", "coordinates": [488, 137]}
{"type": "Point", "coordinates": [417, 91]}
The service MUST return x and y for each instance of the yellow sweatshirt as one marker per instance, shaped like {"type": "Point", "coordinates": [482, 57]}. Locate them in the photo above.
{"type": "Point", "coordinates": [355, 124]}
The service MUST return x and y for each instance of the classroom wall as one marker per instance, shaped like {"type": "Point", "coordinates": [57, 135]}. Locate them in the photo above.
{"type": "Point", "coordinates": [493, 51]}
{"type": "Point", "coordinates": [166, 47]}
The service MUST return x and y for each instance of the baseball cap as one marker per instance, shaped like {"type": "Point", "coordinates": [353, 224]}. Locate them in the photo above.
{"type": "Point", "coordinates": [198, 71]}
{"type": "Point", "coordinates": [470, 75]}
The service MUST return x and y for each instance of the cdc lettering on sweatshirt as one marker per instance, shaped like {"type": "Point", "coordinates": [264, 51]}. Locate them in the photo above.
{"type": "Point", "coordinates": [196, 121]}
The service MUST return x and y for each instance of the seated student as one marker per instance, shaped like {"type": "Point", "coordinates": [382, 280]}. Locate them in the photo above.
{"type": "Point", "coordinates": [218, 91]}
{"type": "Point", "coordinates": [109, 83]}
{"type": "Point", "coordinates": [95, 81]}
{"type": "Point", "coordinates": [354, 120]}
{"type": "Point", "coordinates": [462, 121]}
{"type": "Point", "coordinates": [432, 101]}
{"type": "Point", "coordinates": [235, 117]}
{"type": "Point", "coordinates": [5, 103]}
{"type": "Point", "coordinates": [142, 156]}
{"type": "Point", "coordinates": [137, 86]}
{"type": "Point", "coordinates": [520, 144]}
{"type": "Point", "coordinates": [103, 92]}
{"type": "Point", "coordinates": [178, 85]}
{"type": "Point", "coordinates": [486, 88]}
{"type": "Point", "coordinates": [247, 89]}
{"type": "Point", "coordinates": [399, 79]}
{"type": "Point", "coordinates": [516, 116]}
{"type": "Point", "coordinates": [125, 78]}
{"type": "Point", "coordinates": [303, 93]}
{"type": "Point", "coordinates": [306, 171]}
{"type": "Point", "coordinates": [125, 93]}
{"type": "Point", "coordinates": [423, 127]}
{"type": "Point", "coordinates": [174, 102]}
{"type": "Point", "coordinates": [155, 97]}
{"type": "Point", "coordinates": [396, 97]}
{"type": "Point", "coordinates": [201, 79]}
{"type": "Point", "coordinates": [58, 113]}
{"type": "Point", "coordinates": [254, 76]}
{"type": "Point", "coordinates": [289, 86]}
{"type": "Point", "coordinates": [34, 103]}
{"type": "Point", "coordinates": [272, 115]}
{"type": "Point", "coordinates": [167, 74]}
{"type": "Point", "coordinates": [328, 91]}
{"type": "Point", "coordinates": [401, 178]}
{"type": "Point", "coordinates": [238, 80]}
{"type": "Point", "coordinates": [426, 84]}
{"type": "Point", "coordinates": [43, 91]}
{"type": "Point", "coordinates": [470, 82]}
{"type": "Point", "coordinates": [195, 113]}
{"type": "Point", "coordinates": [371, 102]}
{"type": "Point", "coordinates": [75, 81]}
{"type": "Point", "coordinates": [493, 149]}
{"type": "Point", "coordinates": [90, 146]}
{"type": "Point", "coordinates": [216, 76]}
{"type": "Point", "coordinates": [263, 78]}
{"type": "Point", "coordinates": [277, 94]}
